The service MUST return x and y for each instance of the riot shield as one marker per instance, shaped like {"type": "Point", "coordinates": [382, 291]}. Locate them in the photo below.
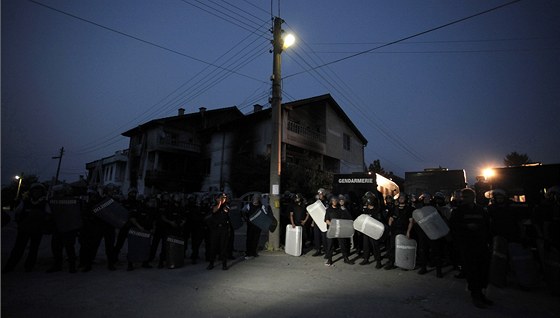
{"type": "Point", "coordinates": [405, 252]}
{"type": "Point", "coordinates": [369, 226]}
{"type": "Point", "coordinates": [175, 251]}
{"type": "Point", "coordinates": [139, 243]}
{"type": "Point", "coordinates": [111, 212]}
{"type": "Point", "coordinates": [340, 228]}
{"type": "Point", "coordinates": [293, 240]}
{"type": "Point", "coordinates": [430, 222]}
{"type": "Point", "coordinates": [317, 211]}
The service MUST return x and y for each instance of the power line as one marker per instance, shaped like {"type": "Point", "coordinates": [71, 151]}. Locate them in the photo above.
{"type": "Point", "coordinates": [448, 51]}
{"type": "Point", "coordinates": [406, 38]}
{"type": "Point", "coordinates": [140, 40]}
{"type": "Point", "coordinates": [440, 41]}
{"type": "Point", "coordinates": [233, 20]}
{"type": "Point", "coordinates": [334, 85]}
{"type": "Point", "coordinates": [152, 111]}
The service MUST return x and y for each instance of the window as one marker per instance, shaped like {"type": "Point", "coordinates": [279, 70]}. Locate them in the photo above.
{"type": "Point", "coordinates": [346, 142]}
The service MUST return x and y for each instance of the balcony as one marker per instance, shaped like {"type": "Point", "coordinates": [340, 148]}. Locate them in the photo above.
{"type": "Point", "coordinates": [306, 132]}
{"type": "Point", "coordinates": [171, 143]}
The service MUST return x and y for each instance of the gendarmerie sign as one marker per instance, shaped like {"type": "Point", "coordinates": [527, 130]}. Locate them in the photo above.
{"type": "Point", "coordinates": [356, 180]}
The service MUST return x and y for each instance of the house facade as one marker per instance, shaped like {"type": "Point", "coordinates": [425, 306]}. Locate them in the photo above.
{"type": "Point", "coordinates": [168, 154]}
{"type": "Point", "coordinates": [202, 151]}
{"type": "Point", "coordinates": [108, 170]}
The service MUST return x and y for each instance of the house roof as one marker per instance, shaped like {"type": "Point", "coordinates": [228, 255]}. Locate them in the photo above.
{"type": "Point", "coordinates": [197, 120]}
{"type": "Point", "coordinates": [225, 117]}
{"type": "Point", "coordinates": [266, 113]}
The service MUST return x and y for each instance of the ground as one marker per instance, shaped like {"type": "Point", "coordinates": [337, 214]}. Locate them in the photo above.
{"type": "Point", "coordinates": [272, 285]}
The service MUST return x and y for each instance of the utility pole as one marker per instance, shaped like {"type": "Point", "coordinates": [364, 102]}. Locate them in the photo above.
{"type": "Point", "coordinates": [276, 144]}
{"type": "Point", "coordinates": [58, 168]}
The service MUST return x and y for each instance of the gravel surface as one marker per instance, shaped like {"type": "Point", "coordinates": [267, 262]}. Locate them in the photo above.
{"type": "Point", "coordinates": [271, 285]}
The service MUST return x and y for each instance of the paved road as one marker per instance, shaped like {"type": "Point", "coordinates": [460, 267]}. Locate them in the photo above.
{"type": "Point", "coordinates": [271, 285]}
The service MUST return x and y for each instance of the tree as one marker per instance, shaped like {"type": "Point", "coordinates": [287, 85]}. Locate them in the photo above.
{"type": "Point", "coordinates": [375, 167]}
{"type": "Point", "coordinates": [304, 177]}
{"type": "Point", "coordinates": [516, 159]}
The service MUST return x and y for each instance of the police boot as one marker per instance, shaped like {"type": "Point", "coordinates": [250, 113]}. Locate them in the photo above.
{"type": "Point", "coordinates": [224, 266]}
{"type": "Point", "coordinates": [348, 261]}
{"type": "Point", "coordinates": [378, 265]}
{"type": "Point", "coordinates": [423, 270]}
{"type": "Point", "coordinates": [210, 266]}
{"type": "Point", "coordinates": [365, 261]}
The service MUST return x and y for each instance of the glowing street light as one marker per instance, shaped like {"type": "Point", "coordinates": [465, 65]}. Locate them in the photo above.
{"type": "Point", "coordinates": [488, 173]}
{"type": "Point", "coordinates": [19, 178]}
{"type": "Point", "coordinates": [288, 40]}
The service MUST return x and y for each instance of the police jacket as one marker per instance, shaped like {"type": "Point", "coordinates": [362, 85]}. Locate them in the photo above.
{"type": "Point", "coordinates": [471, 224]}
{"type": "Point", "coordinates": [31, 216]}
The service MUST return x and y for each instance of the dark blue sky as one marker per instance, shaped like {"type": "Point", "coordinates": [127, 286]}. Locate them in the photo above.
{"type": "Point", "coordinates": [460, 97]}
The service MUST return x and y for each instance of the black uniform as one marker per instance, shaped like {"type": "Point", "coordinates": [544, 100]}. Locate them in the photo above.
{"type": "Point", "coordinates": [30, 217]}
{"type": "Point", "coordinates": [319, 238]}
{"type": "Point", "coordinates": [344, 243]}
{"type": "Point", "coordinates": [160, 233]}
{"type": "Point", "coordinates": [141, 218]}
{"type": "Point", "coordinates": [131, 204]}
{"type": "Point", "coordinates": [299, 214]}
{"type": "Point", "coordinates": [65, 239]}
{"type": "Point", "coordinates": [194, 228]}
{"type": "Point", "coordinates": [400, 216]}
{"type": "Point", "coordinates": [369, 242]}
{"type": "Point", "coordinates": [93, 231]}
{"type": "Point", "coordinates": [220, 226]}
{"type": "Point", "coordinates": [470, 226]}
{"type": "Point", "coordinates": [253, 231]}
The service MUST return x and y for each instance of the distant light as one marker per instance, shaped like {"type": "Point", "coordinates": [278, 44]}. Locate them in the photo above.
{"type": "Point", "coordinates": [488, 173]}
{"type": "Point", "coordinates": [17, 177]}
{"type": "Point", "coordinates": [289, 40]}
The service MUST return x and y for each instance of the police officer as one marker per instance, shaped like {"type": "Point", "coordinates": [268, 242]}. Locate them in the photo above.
{"type": "Point", "coordinates": [131, 204]}
{"type": "Point", "coordinates": [372, 209]}
{"type": "Point", "coordinates": [319, 237]}
{"type": "Point", "coordinates": [174, 223]}
{"type": "Point", "coordinates": [425, 245]}
{"type": "Point", "coordinates": [219, 231]}
{"type": "Point", "coordinates": [93, 231]}
{"type": "Point", "coordinates": [399, 221]}
{"type": "Point", "coordinates": [337, 211]}
{"type": "Point", "coordinates": [30, 216]}
{"type": "Point", "coordinates": [161, 204]}
{"type": "Point", "coordinates": [505, 221]}
{"type": "Point", "coordinates": [141, 218]}
{"type": "Point", "coordinates": [299, 215]}
{"type": "Point", "coordinates": [471, 225]}
{"type": "Point", "coordinates": [253, 231]}
{"type": "Point", "coordinates": [194, 226]}
{"type": "Point", "coordinates": [65, 236]}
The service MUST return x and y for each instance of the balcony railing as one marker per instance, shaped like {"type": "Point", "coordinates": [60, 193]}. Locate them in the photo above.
{"type": "Point", "coordinates": [178, 144]}
{"type": "Point", "coordinates": [306, 132]}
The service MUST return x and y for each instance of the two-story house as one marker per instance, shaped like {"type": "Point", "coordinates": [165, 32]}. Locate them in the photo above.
{"type": "Point", "coordinates": [167, 154]}
{"type": "Point", "coordinates": [201, 151]}
{"type": "Point", "coordinates": [314, 129]}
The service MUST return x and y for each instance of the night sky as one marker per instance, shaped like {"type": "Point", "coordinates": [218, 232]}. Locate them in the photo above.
{"type": "Point", "coordinates": [76, 74]}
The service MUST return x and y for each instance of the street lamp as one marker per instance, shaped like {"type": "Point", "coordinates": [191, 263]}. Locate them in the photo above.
{"type": "Point", "coordinates": [19, 178]}
{"type": "Point", "coordinates": [279, 43]}
{"type": "Point", "coordinates": [488, 173]}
